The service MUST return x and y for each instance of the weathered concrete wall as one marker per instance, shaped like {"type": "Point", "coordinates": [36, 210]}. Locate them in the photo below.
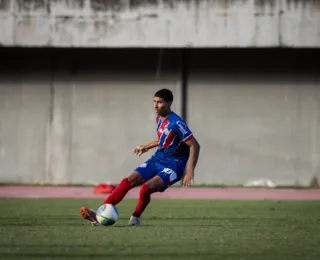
{"type": "Point", "coordinates": [68, 116]}
{"type": "Point", "coordinates": [160, 23]}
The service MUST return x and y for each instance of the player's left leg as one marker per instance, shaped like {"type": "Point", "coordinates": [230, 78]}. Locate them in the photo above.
{"type": "Point", "coordinates": [158, 183]}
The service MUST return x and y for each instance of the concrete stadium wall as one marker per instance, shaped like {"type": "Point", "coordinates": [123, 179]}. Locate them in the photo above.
{"type": "Point", "coordinates": [160, 23]}
{"type": "Point", "coordinates": [74, 116]}
{"type": "Point", "coordinates": [68, 119]}
{"type": "Point", "coordinates": [258, 121]}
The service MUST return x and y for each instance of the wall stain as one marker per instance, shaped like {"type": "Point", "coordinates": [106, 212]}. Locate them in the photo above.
{"type": "Point", "coordinates": [77, 4]}
{"type": "Point", "coordinates": [138, 3]}
{"type": "Point", "coordinates": [305, 3]}
{"type": "Point", "coordinates": [31, 5]}
{"type": "Point", "coordinates": [117, 5]}
{"type": "Point", "coordinates": [4, 5]}
{"type": "Point", "coordinates": [169, 3]}
{"type": "Point", "coordinates": [265, 7]}
{"type": "Point", "coordinates": [262, 3]}
{"type": "Point", "coordinates": [103, 6]}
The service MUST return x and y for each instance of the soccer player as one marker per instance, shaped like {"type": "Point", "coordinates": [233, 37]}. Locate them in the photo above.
{"type": "Point", "coordinates": [176, 146]}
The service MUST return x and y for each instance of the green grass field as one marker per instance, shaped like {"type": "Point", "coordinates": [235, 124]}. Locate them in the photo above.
{"type": "Point", "coordinates": [170, 229]}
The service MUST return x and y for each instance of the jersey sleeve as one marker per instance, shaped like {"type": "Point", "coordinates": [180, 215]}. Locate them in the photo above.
{"type": "Point", "coordinates": [182, 130]}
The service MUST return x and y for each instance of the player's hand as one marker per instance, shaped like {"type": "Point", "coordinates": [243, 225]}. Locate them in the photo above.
{"type": "Point", "coordinates": [139, 150]}
{"type": "Point", "coordinates": [188, 178]}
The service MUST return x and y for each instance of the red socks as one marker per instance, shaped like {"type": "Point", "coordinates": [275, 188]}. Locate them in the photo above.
{"type": "Point", "coordinates": [119, 192]}
{"type": "Point", "coordinates": [143, 201]}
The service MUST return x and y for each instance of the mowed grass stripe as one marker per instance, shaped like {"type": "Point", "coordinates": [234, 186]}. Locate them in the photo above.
{"type": "Point", "coordinates": [170, 229]}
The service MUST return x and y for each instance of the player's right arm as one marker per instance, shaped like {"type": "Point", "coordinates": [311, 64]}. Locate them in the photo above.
{"type": "Point", "coordinates": [139, 150]}
{"type": "Point", "coordinates": [151, 145]}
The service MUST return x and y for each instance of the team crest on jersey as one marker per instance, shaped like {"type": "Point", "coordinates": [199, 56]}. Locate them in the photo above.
{"type": "Point", "coordinates": [166, 131]}
{"type": "Point", "coordinates": [143, 165]}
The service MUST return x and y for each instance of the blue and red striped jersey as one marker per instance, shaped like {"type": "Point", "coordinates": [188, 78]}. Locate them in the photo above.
{"type": "Point", "coordinates": [172, 133]}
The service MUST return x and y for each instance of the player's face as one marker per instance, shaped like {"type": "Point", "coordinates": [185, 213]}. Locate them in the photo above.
{"type": "Point", "coordinates": [161, 107]}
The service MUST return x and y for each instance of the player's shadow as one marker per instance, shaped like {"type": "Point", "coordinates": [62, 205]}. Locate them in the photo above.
{"type": "Point", "coordinates": [126, 226]}
{"type": "Point", "coordinates": [180, 218]}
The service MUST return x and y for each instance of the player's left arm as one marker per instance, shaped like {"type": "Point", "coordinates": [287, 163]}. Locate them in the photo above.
{"type": "Point", "coordinates": [193, 143]}
{"type": "Point", "coordinates": [188, 137]}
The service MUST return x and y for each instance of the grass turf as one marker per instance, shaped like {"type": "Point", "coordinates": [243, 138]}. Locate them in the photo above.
{"type": "Point", "coordinates": [171, 229]}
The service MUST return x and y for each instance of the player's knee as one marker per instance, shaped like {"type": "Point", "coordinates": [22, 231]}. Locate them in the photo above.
{"type": "Point", "coordinates": [155, 184]}
{"type": "Point", "coordinates": [135, 179]}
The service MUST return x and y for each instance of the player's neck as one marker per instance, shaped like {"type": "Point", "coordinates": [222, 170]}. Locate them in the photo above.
{"type": "Point", "coordinates": [164, 117]}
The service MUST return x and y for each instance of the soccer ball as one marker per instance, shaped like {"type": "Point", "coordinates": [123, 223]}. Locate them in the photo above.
{"type": "Point", "coordinates": [107, 214]}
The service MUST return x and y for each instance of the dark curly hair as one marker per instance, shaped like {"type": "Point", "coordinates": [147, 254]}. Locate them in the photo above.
{"type": "Point", "coordinates": [164, 93]}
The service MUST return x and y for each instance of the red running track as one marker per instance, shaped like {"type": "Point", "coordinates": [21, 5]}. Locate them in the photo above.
{"type": "Point", "coordinates": [171, 193]}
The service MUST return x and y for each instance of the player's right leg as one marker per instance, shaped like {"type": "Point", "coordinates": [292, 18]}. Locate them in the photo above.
{"type": "Point", "coordinates": [89, 214]}
{"type": "Point", "coordinates": [141, 174]}
{"type": "Point", "coordinates": [133, 180]}
{"type": "Point", "coordinates": [126, 184]}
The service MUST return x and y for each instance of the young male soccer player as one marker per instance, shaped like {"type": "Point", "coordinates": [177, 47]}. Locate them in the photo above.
{"type": "Point", "coordinates": [165, 167]}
